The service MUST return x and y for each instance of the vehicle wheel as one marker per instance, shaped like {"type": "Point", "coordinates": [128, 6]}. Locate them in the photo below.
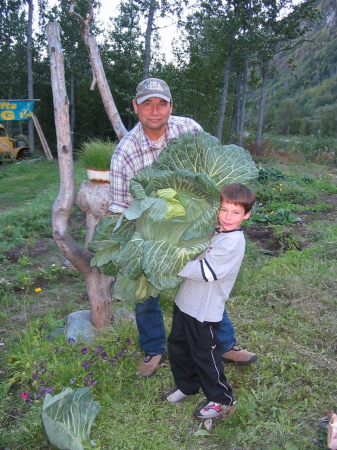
{"type": "Point", "coordinates": [22, 154]}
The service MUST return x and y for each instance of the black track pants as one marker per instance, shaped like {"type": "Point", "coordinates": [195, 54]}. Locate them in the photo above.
{"type": "Point", "coordinates": [195, 358]}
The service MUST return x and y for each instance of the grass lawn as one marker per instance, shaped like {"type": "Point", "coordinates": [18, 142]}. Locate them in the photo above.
{"type": "Point", "coordinates": [283, 307]}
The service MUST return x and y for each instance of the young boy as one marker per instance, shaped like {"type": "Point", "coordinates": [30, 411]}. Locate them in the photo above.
{"type": "Point", "coordinates": [194, 350]}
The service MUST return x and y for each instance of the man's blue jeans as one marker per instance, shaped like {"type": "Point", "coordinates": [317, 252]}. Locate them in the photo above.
{"type": "Point", "coordinates": [152, 335]}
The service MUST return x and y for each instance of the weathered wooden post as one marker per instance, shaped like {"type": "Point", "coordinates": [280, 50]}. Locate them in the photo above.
{"type": "Point", "coordinates": [97, 284]}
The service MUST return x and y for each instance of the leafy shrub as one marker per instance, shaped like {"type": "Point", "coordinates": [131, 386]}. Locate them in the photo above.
{"type": "Point", "coordinates": [295, 125]}
{"type": "Point", "coordinates": [270, 174]}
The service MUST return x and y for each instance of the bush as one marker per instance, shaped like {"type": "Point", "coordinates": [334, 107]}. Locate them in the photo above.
{"type": "Point", "coordinates": [295, 125]}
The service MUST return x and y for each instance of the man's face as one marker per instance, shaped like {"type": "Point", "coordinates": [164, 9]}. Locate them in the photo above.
{"type": "Point", "coordinates": [153, 114]}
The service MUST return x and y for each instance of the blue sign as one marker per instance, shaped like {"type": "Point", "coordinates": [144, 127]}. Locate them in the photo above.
{"type": "Point", "coordinates": [16, 109]}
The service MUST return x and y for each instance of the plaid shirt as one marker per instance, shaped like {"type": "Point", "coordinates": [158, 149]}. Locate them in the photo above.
{"type": "Point", "coordinates": [135, 152]}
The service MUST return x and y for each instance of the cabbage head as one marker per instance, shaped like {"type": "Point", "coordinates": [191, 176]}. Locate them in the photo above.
{"type": "Point", "coordinates": [172, 217]}
{"type": "Point", "coordinates": [67, 418]}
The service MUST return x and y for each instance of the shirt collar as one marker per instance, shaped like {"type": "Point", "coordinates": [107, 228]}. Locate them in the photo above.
{"type": "Point", "coordinates": [146, 143]}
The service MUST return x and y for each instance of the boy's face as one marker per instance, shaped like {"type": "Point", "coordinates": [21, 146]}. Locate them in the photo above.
{"type": "Point", "coordinates": [231, 216]}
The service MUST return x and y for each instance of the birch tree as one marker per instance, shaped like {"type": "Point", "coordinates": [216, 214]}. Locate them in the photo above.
{"type": "Point", "coordinates": [29, 60]}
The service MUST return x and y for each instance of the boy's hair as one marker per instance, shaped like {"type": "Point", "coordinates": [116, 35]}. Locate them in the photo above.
{"type": "Point", "coordinates": [238, 194]}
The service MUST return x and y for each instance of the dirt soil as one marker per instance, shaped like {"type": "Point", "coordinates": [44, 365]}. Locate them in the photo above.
{"type": "Point", "coordinates": [271, 244]}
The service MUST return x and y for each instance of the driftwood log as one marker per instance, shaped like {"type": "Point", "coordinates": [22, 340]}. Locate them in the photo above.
{"type": "Point", "coordinates": [97, 284]}
{"type": "Point", "coordinates": [93, 198]}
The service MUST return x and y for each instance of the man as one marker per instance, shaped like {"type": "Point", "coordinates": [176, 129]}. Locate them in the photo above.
{"type": "Point", "coordinates": [138, 149]}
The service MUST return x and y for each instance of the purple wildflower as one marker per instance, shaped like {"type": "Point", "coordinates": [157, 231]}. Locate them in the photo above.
{"type": "Point", "coordinates": [121, 352]}
{"type": "Point", "coordinates": [115, 358]}
{"type": "Point", "coordinates": [38, 395]}
{"type": "Point", "coordinates": [112, 362]}
{"type": "Point", "coordinates": [93, 382]}
{"type": "Point", "coordinates": [71, 340]}
{"type": "Point", "coordinates": [129, 341]}
{"type": "Point", "coordinates": [99, 349]}
{"type": "Point", "coordinates": [72, 380]}
{"type": "Point", "coordinates": [35, 375]}
{"type": "Point", "coordinates": [51, 373]}
{"type": "Point", "coordinates": [48, 337]}
{"type": "Point", "coordinates": [47, 390]}
{"type": "Point", "coordinates": [84, 351]}
{"type": "Point", "coordinates": [111, 371]}
{"type": "Point", "coordinates": [118, 339]}
{"type": "Point", "coordinates": [104, 355]}
{"type": "Point", "coordinates": [86, 365]}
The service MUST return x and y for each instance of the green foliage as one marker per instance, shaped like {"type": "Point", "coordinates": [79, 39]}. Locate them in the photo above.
{"type": "Point", "coordinates": [279, 217]}
{"type": "Point", "coordinates": [270, 174]}
{"type": "Point", "coordinates": [96, 154]}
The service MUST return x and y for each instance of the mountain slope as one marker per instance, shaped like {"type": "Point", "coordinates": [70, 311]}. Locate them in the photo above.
{"type": "Point", "coordinates": [302, 96]}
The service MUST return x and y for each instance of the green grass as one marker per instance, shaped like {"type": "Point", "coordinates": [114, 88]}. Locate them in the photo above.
{"type": "Point", "coordinates": [283, 307]}
{"type": "Point", "coordinates": [96, 154]}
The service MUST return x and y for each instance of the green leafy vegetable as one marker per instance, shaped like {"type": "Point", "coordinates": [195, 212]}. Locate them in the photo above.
{"type": "Point", "coordinates": [67, 418]}
{"type": "Point", "coordinates": [172, 216]}
{"type": "Point", "coordinates": [279, 217]}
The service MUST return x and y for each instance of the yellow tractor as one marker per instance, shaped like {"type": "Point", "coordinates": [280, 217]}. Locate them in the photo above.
{"type": "Point", "coordinates": [9, 148]}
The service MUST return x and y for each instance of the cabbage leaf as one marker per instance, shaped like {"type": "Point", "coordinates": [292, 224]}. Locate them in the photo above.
{"type": "Point", "coordinates": [172, 217]}
{"type": "Point", "coordinates": [68, 417]}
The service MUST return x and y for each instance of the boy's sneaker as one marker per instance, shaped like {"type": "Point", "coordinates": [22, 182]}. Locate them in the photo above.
{"type": "Point", "coordinates": [174, 395]}
{"type": "Point", "coordinates": [147, 368]}
{"type": "Point", "coordinates": [239, 356]}
{"type": "Point", "coordinates": [211, 410]}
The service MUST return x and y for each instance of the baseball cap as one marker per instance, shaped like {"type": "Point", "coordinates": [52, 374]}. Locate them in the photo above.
{"type": "Point", "coordinates": [152, 87]}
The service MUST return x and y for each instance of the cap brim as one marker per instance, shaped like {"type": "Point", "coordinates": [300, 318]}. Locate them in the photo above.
{"type": "Point", "coordinates": [146, 97]}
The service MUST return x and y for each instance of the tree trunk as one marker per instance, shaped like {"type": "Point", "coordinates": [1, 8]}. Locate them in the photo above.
{"type": "Point", "coordinates": [243, 101]}
{"type": "Point", "coordinates": [72, 84]}
{"type": "Point", "coordinates": [235, 121]}
{"type": "Point", "coordinates": [97, 284]}
{"type": "Point", "coordinates": [30, 70]}
{"type": "Point", "coordinates": [149, 28]}
{"type": "Point", "coordinates": [224, 96]}
{"type": "Point", "coordinates": [262, 103]}
{"type": "Point", "coordinates": [93, 198]}
{"type": "Point", "coordinates": [103, 86]}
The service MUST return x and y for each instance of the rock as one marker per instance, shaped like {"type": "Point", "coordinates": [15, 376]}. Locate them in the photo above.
{"type": "Point", "coordinates": [84, 314]}
{"type": "Point", "coordinates": [56, 333]}
{"type": "Point", "coordinates": [123, 314]}
{"type": "Point", "coordinates": [80, 328]}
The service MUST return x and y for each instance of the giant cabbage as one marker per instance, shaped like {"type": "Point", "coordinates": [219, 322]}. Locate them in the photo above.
{"type": "Point", "coordinates": [172, 217]}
